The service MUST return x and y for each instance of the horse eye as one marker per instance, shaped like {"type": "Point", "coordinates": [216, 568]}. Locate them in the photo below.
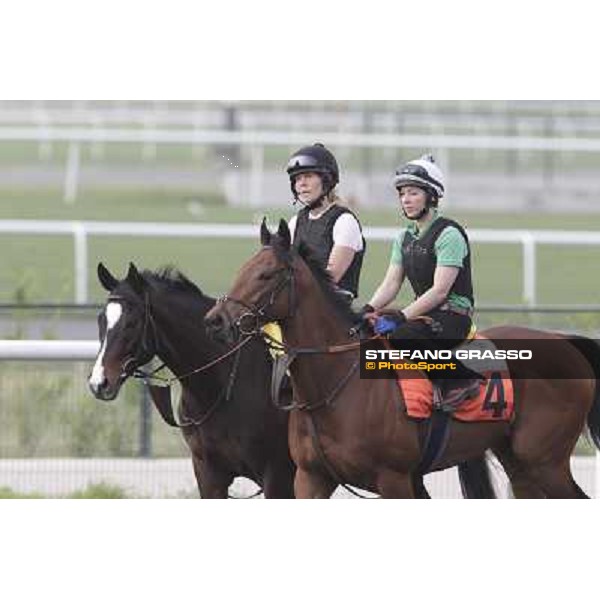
{"type": "Point", "coordinates": [266, 276]}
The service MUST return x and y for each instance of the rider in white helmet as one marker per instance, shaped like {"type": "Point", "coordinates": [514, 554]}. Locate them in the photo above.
{"type": "Point", "coordinates": [433, 253]}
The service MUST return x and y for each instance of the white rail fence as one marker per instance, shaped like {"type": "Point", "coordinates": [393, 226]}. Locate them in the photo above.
{"type": "Point", "coordinates": [52, 350]}
{"type": "Point", "coordinates": [285, 138]}
{"type": "Point", "coordinates": [257, 140]}
{"type": "Point", "coordinates": [82, 230]}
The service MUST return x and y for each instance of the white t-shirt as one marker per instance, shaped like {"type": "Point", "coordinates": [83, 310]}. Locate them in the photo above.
{"type": "Point", "coordinates": [346, 230]}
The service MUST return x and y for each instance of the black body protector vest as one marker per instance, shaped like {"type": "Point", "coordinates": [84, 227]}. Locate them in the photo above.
{"type": "Point", "coordinates": [419, 260]}
{"type": "Point", "coordinates": [317, 234]}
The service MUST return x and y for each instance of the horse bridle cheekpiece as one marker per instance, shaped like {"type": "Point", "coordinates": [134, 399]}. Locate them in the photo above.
{"type": "Point", "coordinates": [250, 322]}
{"type": "Point", "coordinates": [144, 350]}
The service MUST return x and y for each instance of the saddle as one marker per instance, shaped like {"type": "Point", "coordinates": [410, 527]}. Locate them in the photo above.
{"type": "Point", "coordinates": [490, 399]}
{"type": "Point", "coordinates": [280, 380]}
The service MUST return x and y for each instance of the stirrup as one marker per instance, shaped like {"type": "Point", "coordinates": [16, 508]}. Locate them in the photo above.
{"type": "Point", "coordinates": [437, 397]}
{"type": "Point", "coordinates": [450, 400]}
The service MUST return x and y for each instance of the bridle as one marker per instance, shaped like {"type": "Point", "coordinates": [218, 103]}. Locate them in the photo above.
{"type": "Point", "coordinates": [256, 315]}
{"type": "Point", "coordinates": [148, 346]}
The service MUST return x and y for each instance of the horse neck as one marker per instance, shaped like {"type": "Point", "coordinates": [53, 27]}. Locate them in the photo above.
{"type": "Point", "coordinates": [182, 341]}
{"type": "Point", "coordinates": [315, 325]}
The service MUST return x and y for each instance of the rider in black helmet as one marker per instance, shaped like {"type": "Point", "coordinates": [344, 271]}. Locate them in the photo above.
{"type": "Point", "coordinates": [331, 231]}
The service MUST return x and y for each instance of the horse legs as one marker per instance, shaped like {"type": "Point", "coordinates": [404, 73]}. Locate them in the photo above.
{"type": "Point", "coordinates": [392, 484]}
{"type": "Point", "coordinates": [419, 487]}
{"type": "Point", "coordinates": [521, 481]}
{"type": "Point", "coordinates": [312, 485]}
{"type": "Point", "coordinates": [549, 480]}
{"type": "Point", "coordinates": [212, 483]}
{"type": "Point", "coordinates": [278, 481]}
{"type": "Point", "coordinates": [557, 481]}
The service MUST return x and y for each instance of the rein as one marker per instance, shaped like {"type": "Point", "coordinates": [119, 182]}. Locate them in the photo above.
{"type": "Point", "coordinates": [146, 349]}
{"type": "Point", "coordinates": [162, 401]}
{"type": "Point", "coordinates": [138, 373]}
{"type": "Point", "coordinates": [276, 344]}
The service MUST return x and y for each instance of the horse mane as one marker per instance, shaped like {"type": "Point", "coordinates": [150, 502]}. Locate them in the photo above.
{"type": "Point", "coordinates": [325, 282]}
{"type": "Point", "coordinates": [172, 279]}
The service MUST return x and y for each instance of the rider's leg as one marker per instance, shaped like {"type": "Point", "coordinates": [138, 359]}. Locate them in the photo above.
{"type": "Point", "coordinates": [443, 331]}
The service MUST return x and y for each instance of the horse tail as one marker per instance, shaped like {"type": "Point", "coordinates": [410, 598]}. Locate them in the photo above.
{"type": "Point", "coordinates": [475, 479]}
{"type": "Point", "coordinates": [591, 350]}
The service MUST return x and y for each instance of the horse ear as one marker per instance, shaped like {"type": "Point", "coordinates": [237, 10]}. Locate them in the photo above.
{"type": "Point", "coordinates": [137, 282]}
{"type": "Point", "coordinates": [107, 279]}
{"type": "Point", "coordinates": [284, 233]}
{"type": "Point", "coordinates": [265, 234]}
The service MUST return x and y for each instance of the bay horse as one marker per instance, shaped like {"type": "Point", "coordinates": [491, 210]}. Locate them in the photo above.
{"type": "Point", "coordinates": [228, 421]}
{"type": "Point", "coordinates": [357, 430]}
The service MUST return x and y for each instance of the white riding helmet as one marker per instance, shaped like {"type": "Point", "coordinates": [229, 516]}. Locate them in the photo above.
{"type": "Point", "coordinates": [423, 173]}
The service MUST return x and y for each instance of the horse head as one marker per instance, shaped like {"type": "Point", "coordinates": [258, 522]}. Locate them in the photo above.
{"type": "Point", "coordinates": [263, 290]}
{"type": "Point", "coordinates": [126, 330]}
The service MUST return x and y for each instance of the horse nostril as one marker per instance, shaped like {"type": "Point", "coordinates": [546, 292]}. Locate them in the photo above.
{"type": "Point", "coordinates": [97, 387]}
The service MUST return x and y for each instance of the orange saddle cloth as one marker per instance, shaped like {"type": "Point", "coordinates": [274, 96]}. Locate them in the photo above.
{"type": "Point", "coordinates": [495, 401]}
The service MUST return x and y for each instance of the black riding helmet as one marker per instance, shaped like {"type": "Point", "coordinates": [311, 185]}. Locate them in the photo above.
{"type": "Point", "coordinates": [314, 159]}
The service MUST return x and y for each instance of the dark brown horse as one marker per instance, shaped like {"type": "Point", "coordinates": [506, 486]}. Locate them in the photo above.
{"type": "Point", "coordinates": [356, 430]}
{"type": "Point", "coordinates": [227, 418]}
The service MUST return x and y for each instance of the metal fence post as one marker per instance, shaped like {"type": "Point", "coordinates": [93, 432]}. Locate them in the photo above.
{"type": "Point", "coordinates": [145, 439]}
{"type": "Point", "coordinates": [81, 260]}
{"type": "Point", "coordinates": [529, 269]}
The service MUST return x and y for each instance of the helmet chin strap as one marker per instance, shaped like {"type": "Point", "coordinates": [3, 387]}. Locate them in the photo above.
{"type": "Point", "coordinates": [420, 214]}
{"type": "Point", "coordinates": [429, 204]}
{"type": "Point", "coordinates": [317, 202]}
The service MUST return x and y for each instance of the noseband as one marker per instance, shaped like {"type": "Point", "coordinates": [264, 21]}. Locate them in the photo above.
{"type": "Point", "coordinates": [256, 315]}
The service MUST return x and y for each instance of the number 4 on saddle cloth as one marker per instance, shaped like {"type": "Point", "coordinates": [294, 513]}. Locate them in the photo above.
{"type": "Point", "coordinates": [495, 401]}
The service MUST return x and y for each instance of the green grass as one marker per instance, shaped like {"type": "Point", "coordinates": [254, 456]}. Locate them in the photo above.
{"type": "Point", "coordinates": [99, 491]}
{"type": "Point", "coordinates": [108, 205]}
{"type": "Point", "coordinates": [95, 491]}
{"type": "Point", "coordinates": [7, 493]}
{"type": "Point", "coordinates": [46, 411]}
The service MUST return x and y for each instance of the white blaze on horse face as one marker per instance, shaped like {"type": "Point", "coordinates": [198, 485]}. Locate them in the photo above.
{"type": "Point", "coordinates": [113, 313]}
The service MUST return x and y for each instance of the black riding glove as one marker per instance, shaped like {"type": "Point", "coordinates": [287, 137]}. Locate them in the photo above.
{"type": "Point", "coordinates": [365, 310]}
